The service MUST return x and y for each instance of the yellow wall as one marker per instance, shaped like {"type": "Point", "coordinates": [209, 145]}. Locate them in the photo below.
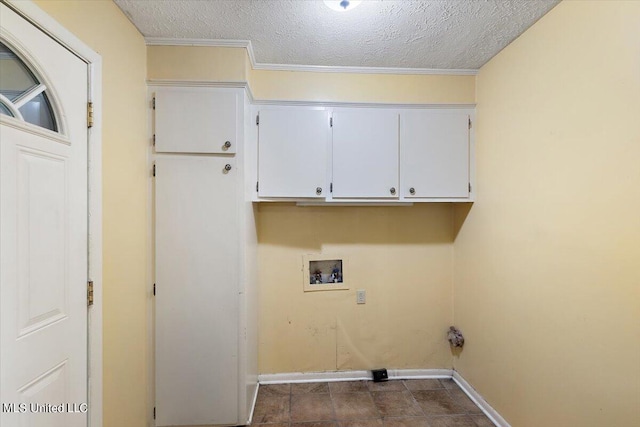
{"type": "Point", "coordinates": [199, 63]}
{"type": "Point", "coordinates": [102, 26]}
{"type": "Point", "coordinates": [351, 87]}
{"type": "Point", "coordinates": [547, 276]}
{"type": "Point", "coordinates": [401, 256]}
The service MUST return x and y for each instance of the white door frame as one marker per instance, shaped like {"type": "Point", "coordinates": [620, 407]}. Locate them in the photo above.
{"type": "Point", "coordinates": [40, 19]}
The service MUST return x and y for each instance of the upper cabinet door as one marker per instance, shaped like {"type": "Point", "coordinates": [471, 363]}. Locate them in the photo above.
{"type": "Point", "coordinates": [434, 153]}
{"type": "Point", "coordinates": [292, 152]}
{"type": "Point", "coordinates": [195, 120]}
{"type": "Point", "coordinates": [365, 153]}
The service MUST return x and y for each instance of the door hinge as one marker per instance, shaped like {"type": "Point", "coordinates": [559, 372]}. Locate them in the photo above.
{"type": "Point", "coordinates": [89, 114]}
{"type": "Point", "coordinates": [154, 289]}
{"type": "Point", "coordinates": [154, 412]}
{"type": "Point", "coordinates": [154, 139]}
{"type": "Point", "coordinates": [331, 188]}
{"type": "Point", "coordinates": [330, 121]}
{"type": "Point", "coordinates": [257, 185]}
{"type": "Point", "coordinates": [469, 122]}
{"type": "Point", "coordinates": [154, 169]}
{"type": "Point", "coordinates": [258, 120]}
{"type": "Point", "coordinates": [153, 103]}
{"type": "Point", "coordinates": [89, 293]}
{"type": "Point", "coordinates": [469, 187]}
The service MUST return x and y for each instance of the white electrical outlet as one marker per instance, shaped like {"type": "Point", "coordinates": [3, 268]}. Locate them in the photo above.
{"type": "Point", "coordinates": [361, 296]}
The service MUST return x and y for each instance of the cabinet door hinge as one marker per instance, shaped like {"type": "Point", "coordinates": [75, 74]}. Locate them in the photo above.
{"type": "Point", "coordinates": [154, 169]}
{"type": "Point", "coordinates": [153, 103]}
{"type": "Point", "coordinates": [469, 187]}
{"type": "Point", "coordinates": [154, 289]}
{"type": "Point", "coordinates": [154, 139]}
{"type": "Point", "coordinates": [89, 293]}
{"type": "Point", "coordinates": [154, 412]}
{"type": "Point", "coordinates": [331, 188]}
{"type": "Point", "coordinates": [257, 185]}
{"type": "Point", "coordinates": [89, 114]}
{"type": "Point", "coordinates": [258, 120]}
{"type": "Point", "coordinates": [330, 121]}
{"type": "Point", "coordinates": [469, 122]}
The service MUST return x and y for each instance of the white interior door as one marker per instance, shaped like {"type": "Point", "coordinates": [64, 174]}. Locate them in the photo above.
{"type": "Point", "coordinates": [197, 293]}
{"type": "Point", "coordinates": [43, 228]}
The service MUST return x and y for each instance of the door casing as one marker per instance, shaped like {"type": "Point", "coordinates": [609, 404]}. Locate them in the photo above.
{"type": "Point", "coordinates": [48, 25]}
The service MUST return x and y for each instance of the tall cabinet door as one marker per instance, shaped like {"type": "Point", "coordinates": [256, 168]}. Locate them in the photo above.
{"type": "Point", "coordinates": [434, 151]}
{"type": "Point", "coordinates": [196, 225]}
{"type": "Point", "coordinates": [196, 120]}
{"type": "Point", "coordinates": [292, 152]}
{"type": "Point", "coordinates": [365, 153]}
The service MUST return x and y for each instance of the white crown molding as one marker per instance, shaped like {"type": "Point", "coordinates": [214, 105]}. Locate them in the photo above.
{"type": "Point", "coordinates": [166, 41]}
{"type": "Point", "coordinates": [198, 83]}
{"type": "Point", "coordinates": [363, 70]}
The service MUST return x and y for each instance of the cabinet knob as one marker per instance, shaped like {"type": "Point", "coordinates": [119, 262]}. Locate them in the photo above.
{"type": "Point", "coordinates": [227, 167]}
{"type": "Point", "coordinates": [412, 191]}
{"type": "Point", "coordinates": [227, 144]}
{"type": "Point", "coordinates": [392, 190]}
{"type": "Point", "coordinates": [319, 191]}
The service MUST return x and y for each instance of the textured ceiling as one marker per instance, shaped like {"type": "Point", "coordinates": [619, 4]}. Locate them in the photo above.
{"type": "Point", "coordinates": [444, 34]}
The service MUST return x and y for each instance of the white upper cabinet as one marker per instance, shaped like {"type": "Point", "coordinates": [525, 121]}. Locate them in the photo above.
{"type": "Point", "coordinates": [292, 152]}
{"type": "Point", "coordinates": [434, 153]}
{"type": "Point", "coordinates": [365, 153]}
{"type": "Point", "coordinates": [195, 120]}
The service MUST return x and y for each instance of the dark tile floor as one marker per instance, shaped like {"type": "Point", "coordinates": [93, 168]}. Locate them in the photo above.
{"type": "Point", "coordinates": [396, 403]}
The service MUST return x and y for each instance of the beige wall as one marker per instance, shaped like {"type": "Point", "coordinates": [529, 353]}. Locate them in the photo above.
{"type": "Point", "coordinates": [197, 63]}
{"type": "Point", "coordinates": [102, 26]}
{"type": "Point", "coordinates": [547, 277]}
{"type": "Point", "coordinates": [401, 256]}
{"type": "Point", "coordinates": [350, 87]}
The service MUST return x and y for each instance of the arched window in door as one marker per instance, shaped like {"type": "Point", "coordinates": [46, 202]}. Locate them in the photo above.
{"type": "Point", "coordinates": [22, 94]}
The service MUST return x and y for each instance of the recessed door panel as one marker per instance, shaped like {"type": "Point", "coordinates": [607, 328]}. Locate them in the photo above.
{"type": "Point", "coordinates": [42, 239]}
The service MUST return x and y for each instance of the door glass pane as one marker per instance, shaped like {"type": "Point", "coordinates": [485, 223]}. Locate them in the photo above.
{"type": "Point", "coordinates": [16, 79]}
{"type": "Point", "coordinates": [38, 112]}
{"type": "Point", "coordinates": [4, 110]}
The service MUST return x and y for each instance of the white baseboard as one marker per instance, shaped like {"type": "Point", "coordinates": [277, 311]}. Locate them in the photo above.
{"type": "Point", "coordinates": [491, 413]}
{"type": "Point", "coordinates": [253, 405]}
{"type": "Point", "coordinates": [310, 377]}
{"type": "Point", "coordinates": [394, 374]}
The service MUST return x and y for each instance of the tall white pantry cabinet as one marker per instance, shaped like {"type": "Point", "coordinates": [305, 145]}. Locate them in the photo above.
{"type": "Point", "coordinates": [205, 257]}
